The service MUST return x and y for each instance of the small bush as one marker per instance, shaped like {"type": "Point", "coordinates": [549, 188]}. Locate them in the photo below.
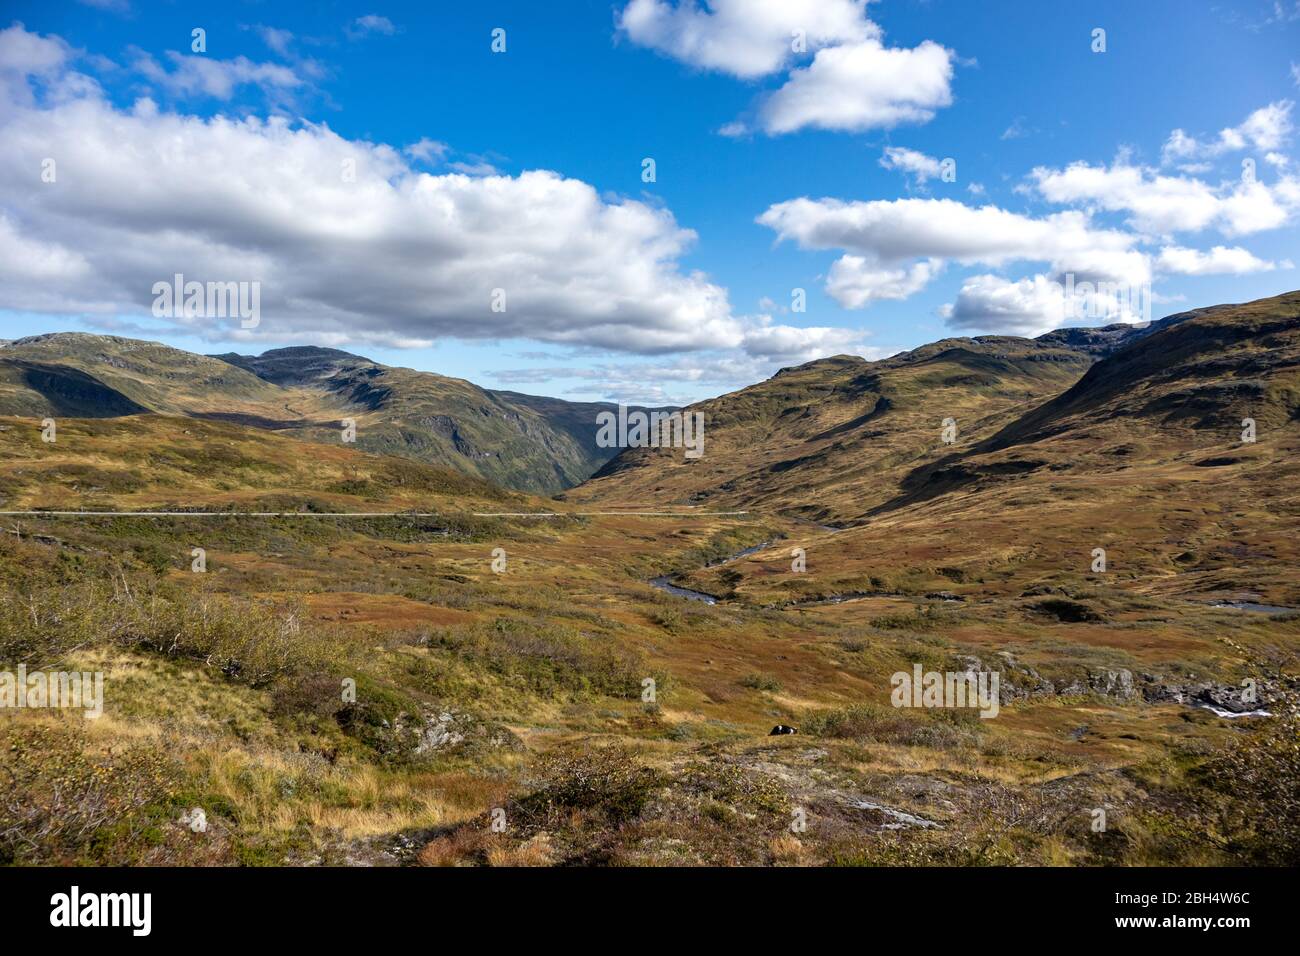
{"type": "Point", "coordinates": [758, 681]}
{"type": "Point", "coordinates": [608, 782]}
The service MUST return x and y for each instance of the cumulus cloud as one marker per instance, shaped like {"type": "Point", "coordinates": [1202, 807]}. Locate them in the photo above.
{"type": "Point", "coordinates": [790, 343]}
{"type": "Point", "coordinates": [911, 162]}
{"type": "Point", "coordinates": [25, 55]}
{"type": "Point", "coordinates": [1268, 128]}
{"type": "Point", "coordinates": [857, 281]}
{"type": "Point", "coordinates": [882, 235]}
{"type": "Point", "coordinates": [853, 83]}
{"type": "Point", "coordinates": [349, 242]}
{"type": "Point", "coordinates": [1221, 260]}
{"type": "Point", "coordinates": [1039, 304]}
{"type": "Point", "coordinates": [897, 229]}
{"type": "Point", "coordinates": [192, 75]}
{"type": "Point", "coordinates": [745, 38]}
{"type": "Point", "coordinates": [427, 150]}
{"type": "Point", "coordinates": [1164, 205]}
{"type": "Point", "coordinates": [862, 86]}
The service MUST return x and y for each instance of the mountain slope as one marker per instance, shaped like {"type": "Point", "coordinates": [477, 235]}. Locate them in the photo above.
{"type": "Point", "coordinates": [151, 375]}
{"type": "Point", "coordinates": [1143, 458]}
{"type": "Point", "coordinates": [1208, 371]}
{"type": "Point", "coordinates": [428, 417]}
{"type": "Point", "coordinates": [522, 442]}
{"type": "Point", "coordinates": [830, 439]}
{"type": "Point", "coordinates": [157, 462]}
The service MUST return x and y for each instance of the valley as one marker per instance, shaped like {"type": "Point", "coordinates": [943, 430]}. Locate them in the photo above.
{"type": "Point", "coordinates": [383, 689]}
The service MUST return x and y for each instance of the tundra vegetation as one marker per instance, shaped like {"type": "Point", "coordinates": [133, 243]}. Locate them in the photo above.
{"type": "Point", "coordinates": [368, 690]}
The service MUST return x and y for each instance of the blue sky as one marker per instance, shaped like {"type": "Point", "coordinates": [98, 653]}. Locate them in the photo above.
{"type": "Point", "coordinates": [1065, 162]}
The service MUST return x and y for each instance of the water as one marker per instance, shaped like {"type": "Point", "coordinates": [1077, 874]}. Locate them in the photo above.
{"type": "Point", "coordinates": [1252, 606]}
{"type": "Point", "coordinates": [663, 584]}
{"type": "Point", "coordinates": [739, 554]}
{"type": "Point", "coordinates": [900, 819]}
{"type": "Point", "coordinates": [1220, 712]}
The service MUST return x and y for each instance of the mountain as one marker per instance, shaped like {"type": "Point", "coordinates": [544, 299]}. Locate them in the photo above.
{"type": "Point", "coordinates": [1102, 341]}
{"type": "Point", "coordinates": [838, 440]}
{"type": "Point", "coordinates": [431, 417]}
{"type": "Point", "coordinates": [1144, 457]}
{"type": "Point", "coordinates": [1205, 371]}
{"type": "Point", "coordinates": [523, 442]}
{"type": "Point", "coordinates": [143, 375]}
{"type": "Point", "coordinates": [830, 439]}
{"type": "Point", "coordinates": [162, 462]}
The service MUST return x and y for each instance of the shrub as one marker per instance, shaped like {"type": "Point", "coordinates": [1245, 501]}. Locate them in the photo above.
{"type": "Point", "coordinates": [608, 782]}
{"type": "Point", "coordinates": [760, 682]}
{"type": "Point", "coordinates": [57, 796]}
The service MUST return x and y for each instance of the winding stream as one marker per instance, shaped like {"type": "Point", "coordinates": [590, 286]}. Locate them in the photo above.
{"type": "Point", "coordinates": [1253, 607]}
{"type": "Point", "coordinates": [665, 584]}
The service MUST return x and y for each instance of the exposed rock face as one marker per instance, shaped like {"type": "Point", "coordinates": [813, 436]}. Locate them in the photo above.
{"type": "Point", "coordinates": [1021, 681]}
{"type": "Point", "coordinates": [449, 730]}
{"type": "Point", "coordinates": [1243, 699]}
{"type": "Point", "coordinates": [439, 732]}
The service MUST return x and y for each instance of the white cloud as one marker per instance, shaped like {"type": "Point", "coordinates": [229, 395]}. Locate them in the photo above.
{"type": "Point", "coordinates": [397, 256]}
{"type": "Point", "coordinates": [853, 83]}
{"type": "Point", "coordinates": [857, 281]}
{"type": "Point", "coordinates": [371, 23]}
{"type": "Point", "coordinates": [1221, 260]}
{"type": "Point", "coordinates": [1163, 205]}
{"type": "Point", "coordinates": [475, 168]}
{"type": "Point", "coordinates": [1268, 128]}
{"type": "Point", "coordinates": [1039, 304]}
{"type": "Point", "coordinates": [745, 38]}
{"type": "Point", "coordinates": [1016, 130]}
{"type": "Point", "coordinates": [862, 86]}
{"type": "Point", "coordinates": [895, 231]}
{"type": "Point", "coordinates": [23, 53]}
{"type": "Point", "coordinates": [427, 150]}
{"type": "Point", "coordinates": [790, 343]}
{"type": "Point", "coordinates": [920, 166]}
{"type": "Point", "coordinates": [276, 39]}
{"type": "Point", "coordinates": [769, 348]}
{"type": "Point", "coordinates": [203, 75]}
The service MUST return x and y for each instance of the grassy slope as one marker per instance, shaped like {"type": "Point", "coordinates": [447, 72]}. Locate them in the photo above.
{"type": "Point", "coordinates": [223, 687]}
{"type": "Point", "coordinates": [1142, 457]}
{"type": "Point", "coordinates": [531, 445]}
{"type": "Point", "coordinates": [828, 440]}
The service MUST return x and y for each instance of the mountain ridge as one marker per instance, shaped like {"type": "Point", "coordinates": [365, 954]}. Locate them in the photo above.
{"type": "Point", "coordinates": [527, 443]}
{"type": "Point", "coordinates": [881, 443]}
